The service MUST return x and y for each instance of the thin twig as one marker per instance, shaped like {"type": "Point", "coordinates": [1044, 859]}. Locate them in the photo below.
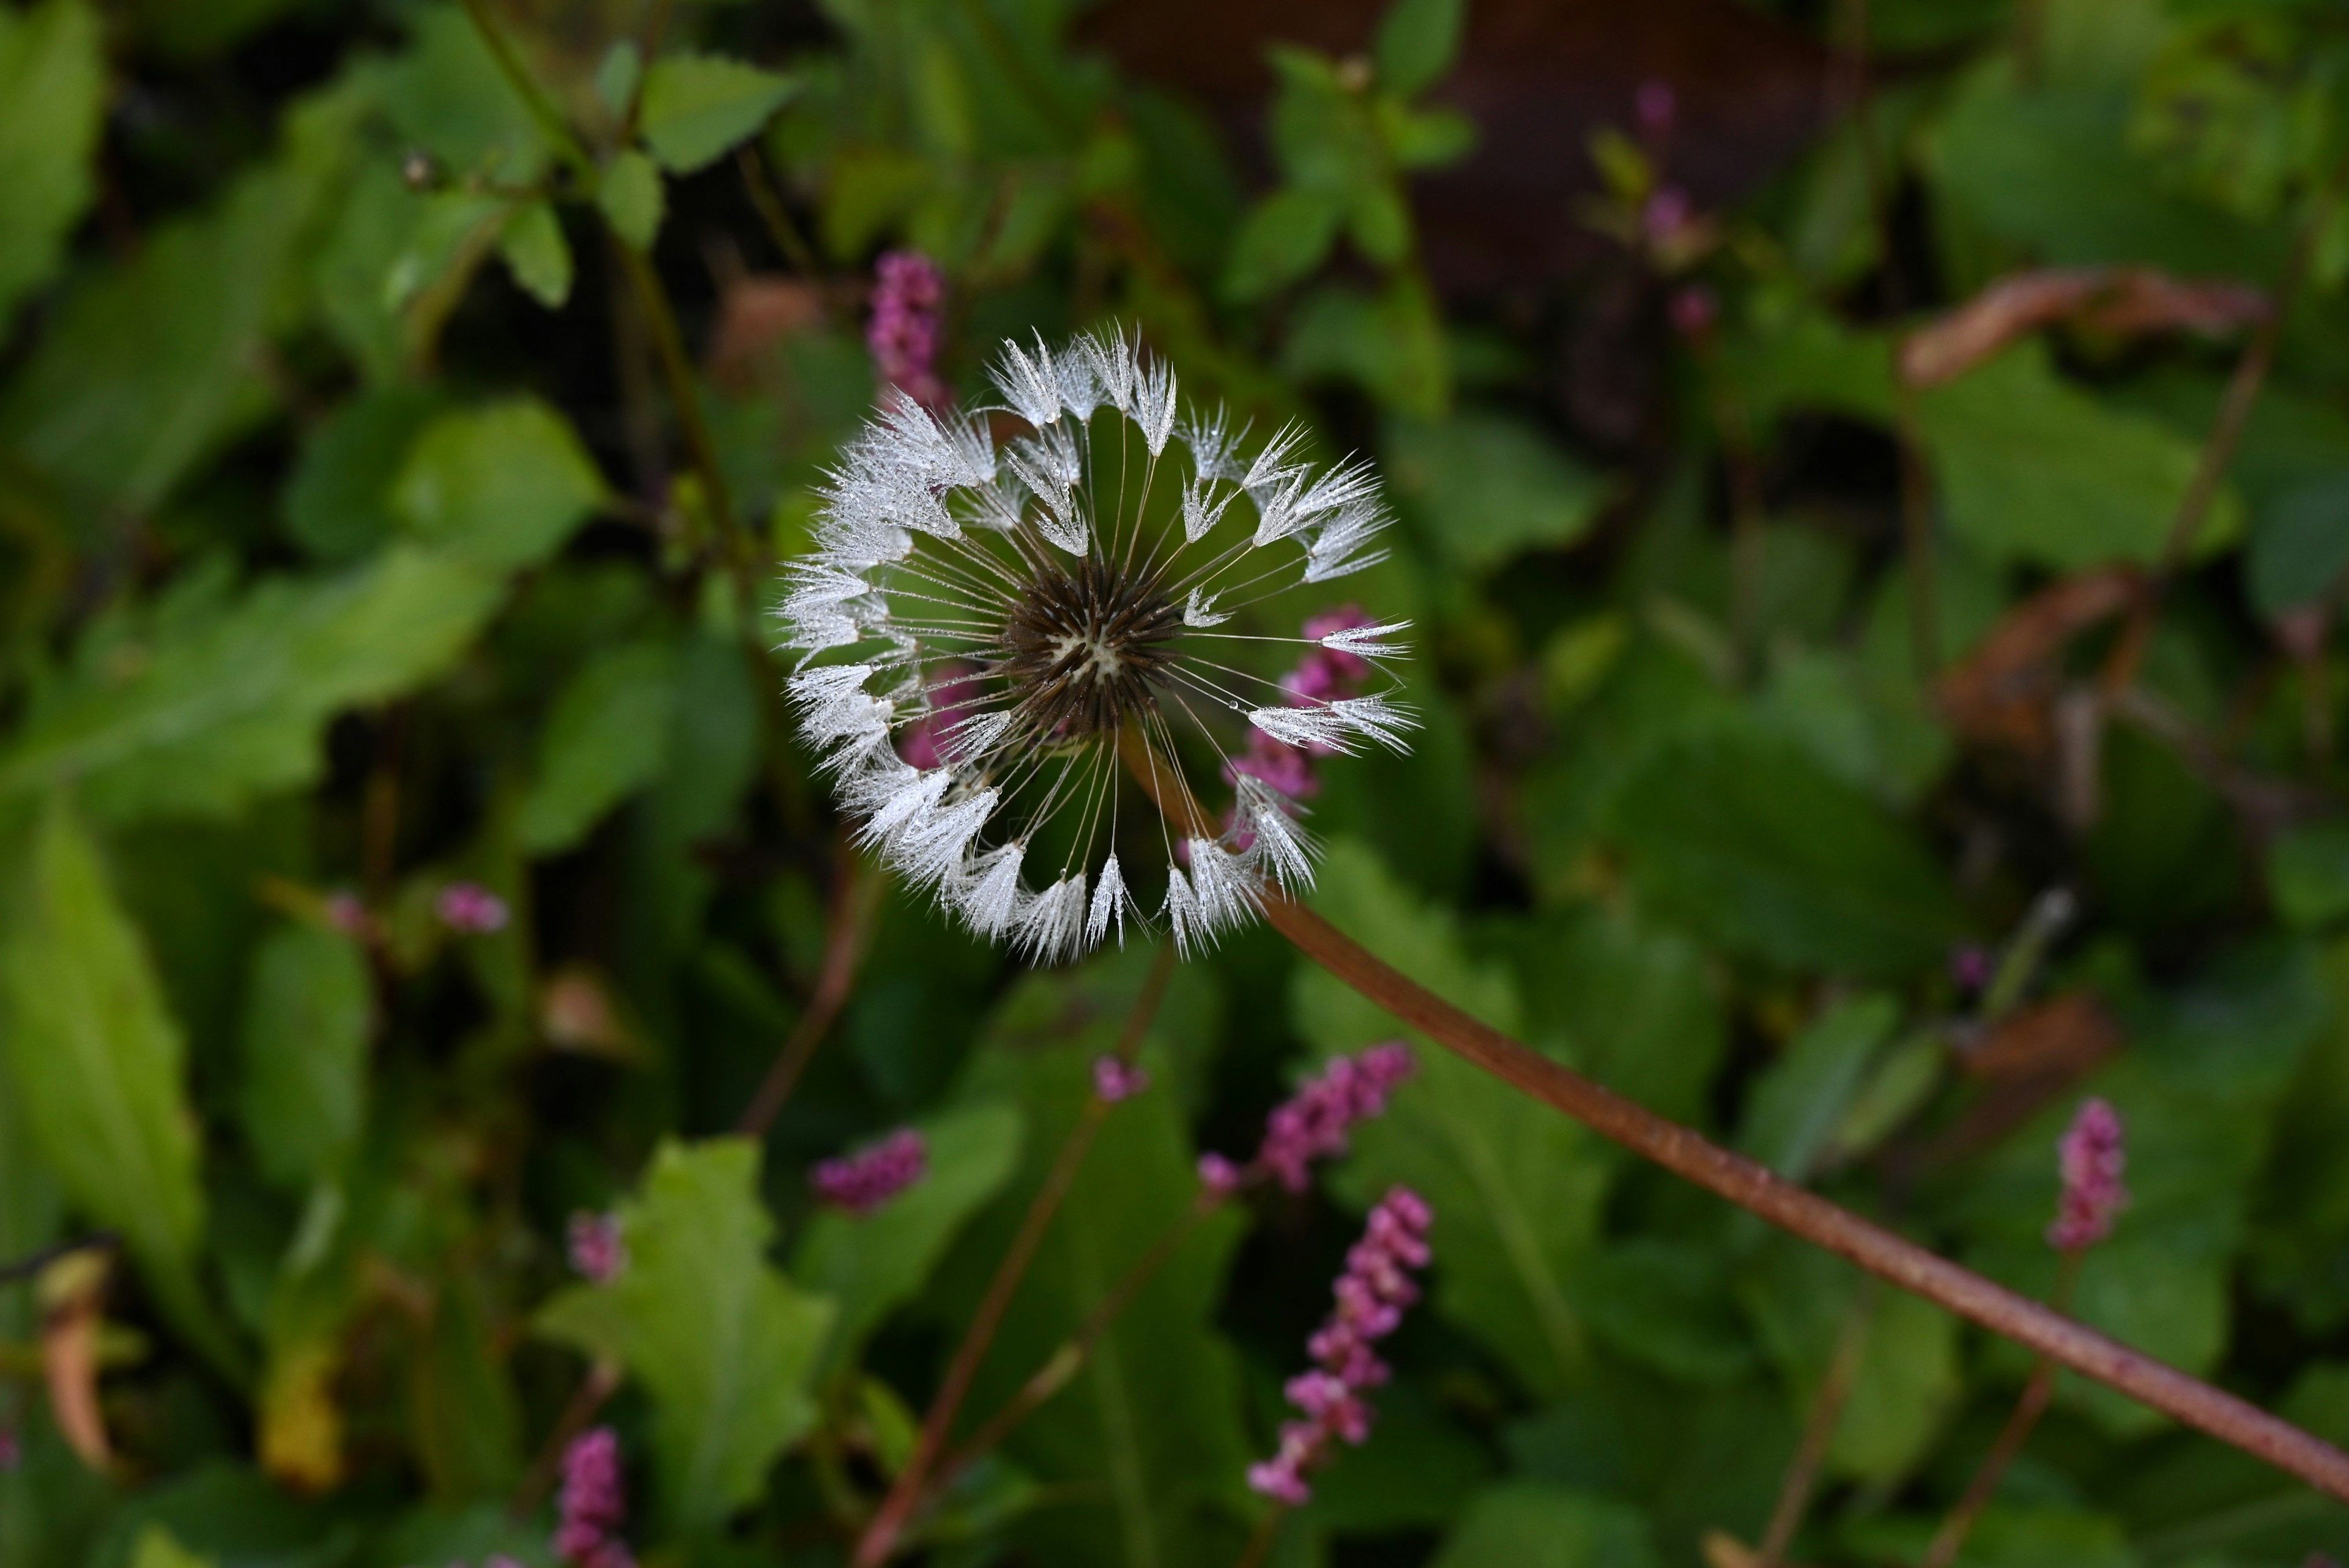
{"type": "Point", "coordinates": [880, 1539]}
{"type": "Point", "coordinates": [669, 344]}
{"type": "Point", "coordinates": [769, 207]}
{"type": "Point", "coordinates": [603, 1380]}
{"type": "Point", "coordinates": [1819, 1431]}
{"type": "Point", "coordinates": [32, 1263]}
{"type": "Point", "coordinates": [1267, 1530]}
{"type": "Point", "coordinates": [1754, 1188]}
{"type": "Point", "coordinates": [856, 900]}
{"type": "Point", "coordinates": [541, 109]}
{"type": "Point", "coordinates": [1952, 1536]}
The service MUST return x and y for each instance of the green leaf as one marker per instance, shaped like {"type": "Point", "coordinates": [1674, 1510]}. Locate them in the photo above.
{"type": "Point", "coordinates": [338, 501]}
{"type": "Point", "coordinates": [722, 1341]}
{"type": "Point", "coordinates": [2300, 545]}
{"type": "Point", "coordinates": [872, 1264]}
{"type": "Point", "coordinates": [2308, 873]}
{"type": "Point", "coordinates": [1417, 42]}
{"type": "Point", "coordinates": [159, 1548]}
{"type": "Point", "coordinates": [695, 108]}
{"type": "Point", "coordinates": [1391, 343]}
{"type": "Point", "coordinates": [504, 484]}
{"type": "Point", "coordinates": [1744, 837]}
{"type": "Point", "coordinates": [1150, 1429]}
{"type": "Point", "coordinates": [604, 740]}
{"type": "Point", "coordinates": [1482, 487]}
{"type": "Point", "coordinates": [1527, 1524]}
{"type": "Point", "coordinates": [203, 714]}
{"type": "Point", "coordinates": [537, 253]}
{"type": "Point", "coordinates": [100, 1063]}
{"type": "Point", "coordinates": [2032, 469]}
{"type": "Point", "coordinates": [1801, 1099]}
{"type": "Point", "coordinates": [631, 199]}
{"type": "Point", "coordinates": [303, 1095]}
{"type": "Point", "coordinates": [1665, 1306]}
{"type": "Point", "coordinates": [447, 96]}
{"type": "Point", "coordinates": [1516, 1186]}
{"type": "Point", "coordinates": [30, 1210]}
{"type": "Point", "coordinates": [1283, 237]}
{"type": "Point", "coordinates": [52, 96]}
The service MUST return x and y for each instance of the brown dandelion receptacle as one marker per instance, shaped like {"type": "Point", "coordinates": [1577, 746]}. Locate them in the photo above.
{"type": "Point", "coordinates": [1082, 647]}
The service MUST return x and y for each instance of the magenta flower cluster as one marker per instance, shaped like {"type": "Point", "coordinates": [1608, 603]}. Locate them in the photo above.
{"type": "Point", "coordinates": [1370, 1297]}
{"type": "Point", "coordinates": [598, 1252]}
{"type": "Point", "coordinates": [1324, 675]}
{"type": "Point", "coordinates": [2091, 1158]}
{"type": "Point", "coordinates": [470, 909]}
{"type": "Point", "coordinates": [1312, 1124]}
{"type": "Point", "coordinates": [863, 1181]}
{"type": "Point", "coordinates": [904, 332]}
{"type": "Point", "coordinates": [1114, 1080]}
{"type": "Point", "coordinates": [594, 1505]}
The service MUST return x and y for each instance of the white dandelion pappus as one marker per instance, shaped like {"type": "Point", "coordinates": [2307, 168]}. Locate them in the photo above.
{"type": "Point", "coordinates": [993, 627]}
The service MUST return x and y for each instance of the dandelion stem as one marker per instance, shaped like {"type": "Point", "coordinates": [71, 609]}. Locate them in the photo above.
{"type": "Point", "coordinates": [1752, 1187]}
{"type": "Point", "coordinates": [856, 900]}
{"type": "Point", "coordinates": [880, 1539]}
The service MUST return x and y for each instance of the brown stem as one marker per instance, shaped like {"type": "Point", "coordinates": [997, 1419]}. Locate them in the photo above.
{"type": "Point", "coordinates": [2226, 434]}
{"type": "Point", "coordinates": [1827, 1412]}
{"type": "Point", "coordinates": [603, 1380]}
{"type": "Point", "coordinates": [1061, 1368]}
{"type": "Point", "coordinates": [1952, 1536]}
{"type": "Point", "coordinates": [1268, 1530]}
{"type": "Point", "coordinates": [880, 1539]}
{"type": "Point", "coordinates": [856, 900]}
{"type": "Point", "coordinates": [1684, 1152]}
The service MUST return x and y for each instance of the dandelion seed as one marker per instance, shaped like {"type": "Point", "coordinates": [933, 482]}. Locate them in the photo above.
{"type": "Point", "coordinates": [1000, 631]}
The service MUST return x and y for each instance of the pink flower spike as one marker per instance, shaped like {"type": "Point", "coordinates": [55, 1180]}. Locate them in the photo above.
{"type": "Point", "coordinates": [598, 1253]}
{"type": "Point", "coordinates": [594, 1503]}
{"type": "Point", "coordinates": [1313, 1123]}
{"type": "Point", "coordinates": [1218, 1175]}
{"type": "Point", "coordinates": [2091, 1157]}
{"type": "Point", "coordinates": [471, 909]}
{"type": "Point", "coordinates": [902, 336]}
{"type": "Point", "coordinates": [1371, 1296]}
{"type": "Point", "coordinates": [1114, 1081]}
{"type": "Point", "coordinates": [863, 1181]}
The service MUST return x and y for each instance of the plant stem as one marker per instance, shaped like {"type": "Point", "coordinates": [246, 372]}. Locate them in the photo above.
{"type": "Point", "coordinates": [1267, 1530]}
{"type": "Point", "coordinates": [603, 1380]}
{"type": "Point", "coordinates": [551, 123]}
{"type": "Point", "coordinates": [1754, 1188]}
{"type": "Point", "coordinates": [780, 227]}
{"type": "Point", "coordinates": [1819, 1431]}
{"type": "Point", "coordinates": [1952, 1536]}
{"type": "Point", "coordinates": [856, 900]}
{"type": "Point", "coordinates": [880, 1539]}
{"type": "Point", "coordinates": [669, 344]}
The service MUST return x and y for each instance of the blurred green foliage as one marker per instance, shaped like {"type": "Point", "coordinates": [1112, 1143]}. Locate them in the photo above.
{"type": "Point", "coordinates": [406, 410]}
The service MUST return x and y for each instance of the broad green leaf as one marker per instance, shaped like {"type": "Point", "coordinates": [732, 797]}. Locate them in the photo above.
{"type": "Point", "coordinates": [99, 1061]}
{"type": "Point", "coordinates": [447, 96]}
{"type": "Point", "coordinates": [1391, 343]}
{"type": "Point", "coordinates": [1746, 838]}
{"type": "Point", "coordinates": [159, 1548]}
{"type": "Point", "coordinates": [1633, 1003]}
{"type": "Point", "coordinates": [1149, 1432]}
{"type": "Point", "coordinates": [1284, 236]}
{"type": "Point", "coordinates": [1420, 1470]}
{"type": "Point", "coordinates": [1418, 40]}
{"type": "Point", "coordinates": [2034, 469]}
{"type": "Point", "coordinates": [724, 1342]}
{"type": "Point", "coordinates": [2006, 1535]}
{"type": "Point", "coordinates": [504, 484]}
{"type": "Point", "coordinates": [872, 1264]}
{"type": "Point", "coordinates": [30, 1210]}
{"type": "Point", "coordinates": [536, 253]}
{"type": "Point", "coordinates": [1527, 1524]}
{"type": "Point", "coordinates": [1516, 1186]}
{"type": "Point", "coordinates": [52, 95]}
{"type": "Point", "coordinates": [1800, 1100]}
{"type": "Point", "coordinates": [604, 740]}
{"type": "Point", "coordinates": [2308, 873]}
{"type": "Point", "coordinates": [207, 714]}
{"type": "Point", "coordinates": [630, 197]}
{"type": "Point", "coordinates": [694, 108]}
{"type": "Point", "coordinates": [307, 1013]}
{"type": "Point", "coordinates": [1666, 1306]}
{"type": "Point", "coordinates": [2300, 545]}
{"type": "Point", "coordinates": [1481, 486]}
{"type": "Point", "coordinates": [338, 501]}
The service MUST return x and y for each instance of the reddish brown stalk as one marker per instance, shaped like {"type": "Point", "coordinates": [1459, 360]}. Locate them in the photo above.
{"type": "Point", "coordinates": [856, 898]}
{"type": "Point", "coordinates": [1827, 1412]}
{"type": "Point", "coordinates": [1267, 1530]}
{"type": "Point", "coordinates": [1952, 1536]}
{"type": "Point", "coordinates": [889, 1521]}
{"type": "Point", "coordinates": [603, 1380]}
{"type": "Point", "coordinates": [1753, 1187]}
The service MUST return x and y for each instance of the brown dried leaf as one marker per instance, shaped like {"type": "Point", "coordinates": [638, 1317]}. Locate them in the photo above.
{"type": "Point", "coordinates": [2123, 300]}
{"type": "Point", "coordinates": [756, 312]}
{"type": "Point", "coordinates": [2005, 691]}
{"type": "Point", "coordinates": [2069, 1035]}
{"type": "Point", "coordinates": [576, 1012]}
{"type": "Point", "coordinates": [72, 1293]}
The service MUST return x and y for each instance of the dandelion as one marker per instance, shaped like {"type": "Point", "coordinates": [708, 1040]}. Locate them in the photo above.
{"type": "Point", "coordinates": [902, 334]}
{"type": "Point", "coordinates": [598, 1252]}
{"type": "Point", "coordinates": [1114, 1080]}
{"type": "Point", "coordinates": [471, 909]}
{"type": "Point", "coordinates": [1371, 1296]}
{"type": "Point", "coordinates": [594, 1504]}
{"type": "Point", "coordinates": [861, 1182]}
{"type": "Point", "coordinates": [2092, 1158]}
{"type": "Point", "coordinates": [1054, 614]}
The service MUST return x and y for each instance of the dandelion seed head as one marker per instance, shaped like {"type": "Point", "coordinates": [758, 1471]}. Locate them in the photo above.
{"type": "Point", "coordinates": [1011, 611]}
